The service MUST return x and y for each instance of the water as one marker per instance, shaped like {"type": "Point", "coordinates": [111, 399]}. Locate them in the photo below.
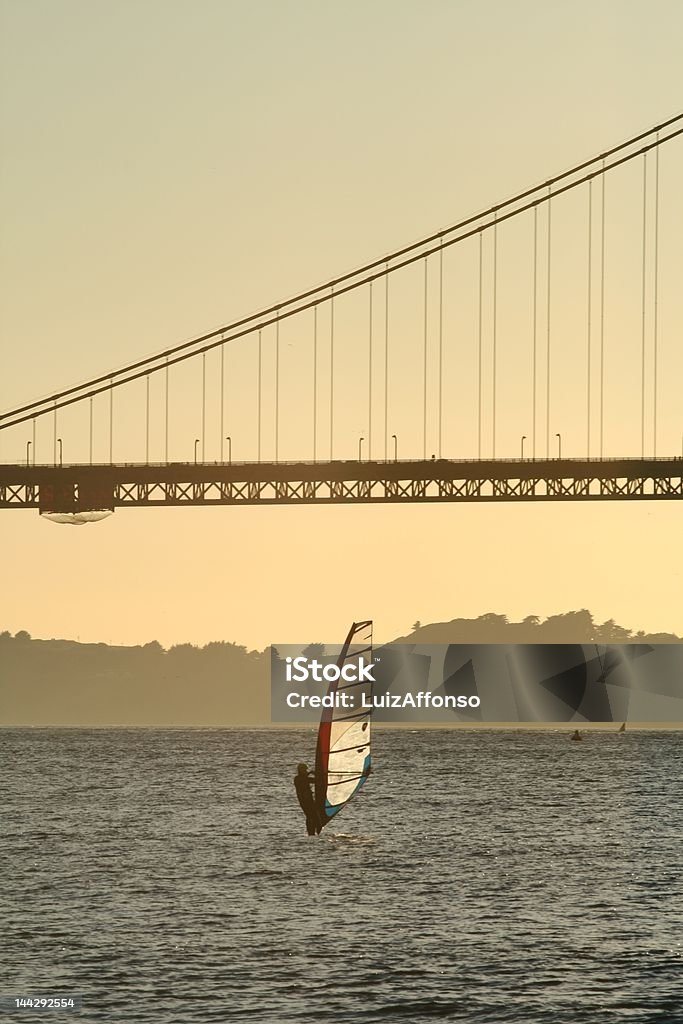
{"type": "Point", "coordinates": [165, 876]}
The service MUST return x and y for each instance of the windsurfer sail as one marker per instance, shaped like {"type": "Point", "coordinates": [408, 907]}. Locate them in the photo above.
{"type": "Point", "coordinates": [342, 760]}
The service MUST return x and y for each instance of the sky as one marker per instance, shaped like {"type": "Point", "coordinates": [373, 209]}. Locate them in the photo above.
{"type": "Point", "coordinates": [167, 167]}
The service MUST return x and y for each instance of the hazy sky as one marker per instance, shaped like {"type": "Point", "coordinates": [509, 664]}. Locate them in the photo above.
{"type": "Point", "coordinates": [167, 167]}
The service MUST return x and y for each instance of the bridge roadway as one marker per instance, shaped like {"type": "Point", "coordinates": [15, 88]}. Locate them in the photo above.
{"type": "Point", "coordinates": [76, 488]}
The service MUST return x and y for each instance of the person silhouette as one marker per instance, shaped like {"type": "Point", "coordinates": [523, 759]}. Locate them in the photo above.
{"type": "Point", "coordinates": [302, 785]}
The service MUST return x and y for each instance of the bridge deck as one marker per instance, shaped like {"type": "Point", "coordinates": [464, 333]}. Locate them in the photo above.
{"type": "Point", "coordinates": [87, 487]}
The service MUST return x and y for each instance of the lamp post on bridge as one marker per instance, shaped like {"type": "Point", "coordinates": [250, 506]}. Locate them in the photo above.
{"type": "Point", "coordinates": [59, 442]}
{"type": "Point", "coordinates": [360, 448]}
{"type": "Point", "coordinates": [559, 445]}
{"type": "Point", "coordinates": [395, 440]}
{"type": "Point", "coordinates": [196, 442]}
{"type": "Point", "coordinates": [522, 447]}
{"type": "Point", "coordinates": [28, 453]}
{"type": "Point", "coordinates": [229, 440]}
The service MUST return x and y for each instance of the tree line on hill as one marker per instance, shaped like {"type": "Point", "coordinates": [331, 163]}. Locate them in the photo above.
{"type": "Point", "coordinates": [62, 682]}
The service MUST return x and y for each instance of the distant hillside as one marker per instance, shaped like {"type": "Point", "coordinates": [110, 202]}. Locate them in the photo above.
{"type": "Point", "coordinates": [61, 682]}
{"type": "Point", "coordinates": [568, 628]}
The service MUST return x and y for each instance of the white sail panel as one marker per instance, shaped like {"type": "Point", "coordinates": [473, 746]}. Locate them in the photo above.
{"type": "Point", "coordinates": [343, 756]}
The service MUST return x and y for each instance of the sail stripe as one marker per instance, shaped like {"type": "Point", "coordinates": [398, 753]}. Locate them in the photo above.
{"type": "Point", "coordinates": [350, 718]}
{"type": "Point", "coordinates": [350, 686]}
{"type": "Point", "coordinates": [355, 746]}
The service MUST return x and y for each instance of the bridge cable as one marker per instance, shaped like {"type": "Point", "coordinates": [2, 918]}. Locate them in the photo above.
{"type": "Point", "coordinates": [424, 363]}
{"type": "Point", "coordinates": [111, 423]}
{"type": "Point", "coordinates": [370, 374]}
{"type": "Point", "coordinates": [386, 366]}
{"type": "Point", "coordinates": [644, 296]}
{"type": "Point", "coordinates": [588, 324]}
{"type": "Point", "coordinates": [315, 382]}
{"type": "Point", "coordinates": [481, 321]}
{"type": "Point", "coordinates": [656, 300]}
{"type": "Point", "coordinates": [304, 295]}
{"type": "Point", "coordinates": [146, 419]}
{"type": "Point", "coordinates": [203, 406]}
{"type": "Point", "coordinates": [54, 437]}
{"type": "Point", "coordinates": [332, 374]}
{"type": "Point", "coordinates": [440, 349]}
{"type": "Point", "coordinates": [222, 399]}
{"type": "Point", "coordinates": [602, 313]}
{"type": "Point", "coordinates": [166, 414]}
{"type": "Point", "coordinates": [277, 389]}
{"type": "Point", "coordinates": [258, 398]}
{"type": "Point", "coordinates": [547, 371]}
{"type": "Point", "coordinates": [495, 336]}
{"type": "Point", "coordinates": [90, 446]}
{"type": "Point", "coordinates": [534, 333]}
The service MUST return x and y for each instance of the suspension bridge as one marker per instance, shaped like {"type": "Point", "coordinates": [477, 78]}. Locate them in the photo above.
{"type": "Point", "coordinates": [531, 351]}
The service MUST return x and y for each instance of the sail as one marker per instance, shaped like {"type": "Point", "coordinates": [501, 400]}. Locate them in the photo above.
{"type": "Point", "coordinates": [342, 760]}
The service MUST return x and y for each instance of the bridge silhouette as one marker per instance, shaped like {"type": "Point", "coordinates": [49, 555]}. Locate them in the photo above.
{"type": "Point", "coordinates": [482, 369]}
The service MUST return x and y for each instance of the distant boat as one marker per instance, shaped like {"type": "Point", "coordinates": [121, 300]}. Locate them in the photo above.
{"type": "Point", "coordinates": [577, 735]}
{"type": "Point", "coordinates": [622, 727]}
{"type": "Point", "coordinates": [343, 758]}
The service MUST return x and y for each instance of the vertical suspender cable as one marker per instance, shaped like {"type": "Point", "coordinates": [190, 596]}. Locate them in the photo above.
{"type": "Point", "coordinates": [424, 367]}
{"type": "Point", "coordinates": [203, 406]}
{"type": "Point", "coordinates": [91, 414]}
{"type": "Point", "coordinates": [602, 315]}
{"type": "Point", "coordinates": [166, 413]}
{"type": "Point", "coordinates": [33, 440]}
{"type": "Point", "coordinates": [495, 332]}
{"type": "Point", "coordinates": [222, 415]}
{"type": "Point", "coordinates": [588, 319]}
{"type": "Point", "coordinates": [534, 357]}
{"type": "Point", "coordinates": [258, 402]}
{"type": "Point", "coordinates": [147, 418]}
{"type": "Point", "coordinates": [644, 285]}
{"type": "Point", "coordinates": [54, 434]}
{"type": "Point", "coordinates": [332, 375]}
{"type": "Point", "coordinates": [655, 325]}
{"type": "Point", "coordinates": [440, 350]}
{"type": "Point", "coordinates": [547, 368]}
{"type": "Point", "coordinates": [111, 423]}
{"type": "Point", "coordinates": [315, 382]}
{"type": "Point", "coordinates": [277, 387]}
{"type": "Point", "coordinates": [481, 324]}
{"type": "Point", "coordinates": [370, 374]}
{"type": "Point", "coordinates": [386, 363]}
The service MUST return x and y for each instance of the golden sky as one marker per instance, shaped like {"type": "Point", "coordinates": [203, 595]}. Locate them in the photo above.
{"type": "Point", "coordinates": [168, 167]}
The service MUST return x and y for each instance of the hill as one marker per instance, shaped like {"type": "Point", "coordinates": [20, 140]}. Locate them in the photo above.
{"type": "Point", "coordinates": [65, 683]}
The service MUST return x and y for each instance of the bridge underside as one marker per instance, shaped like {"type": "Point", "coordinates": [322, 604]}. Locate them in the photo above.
{"type": "Point", "coordinates": [69, 489]}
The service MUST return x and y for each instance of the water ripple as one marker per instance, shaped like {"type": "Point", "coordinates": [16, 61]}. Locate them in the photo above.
{"type": "Point", "coordinates": [165, 876]}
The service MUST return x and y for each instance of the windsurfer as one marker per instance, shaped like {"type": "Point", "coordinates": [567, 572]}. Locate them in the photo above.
{"type": "Point", "coordinates": [302, 785]}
